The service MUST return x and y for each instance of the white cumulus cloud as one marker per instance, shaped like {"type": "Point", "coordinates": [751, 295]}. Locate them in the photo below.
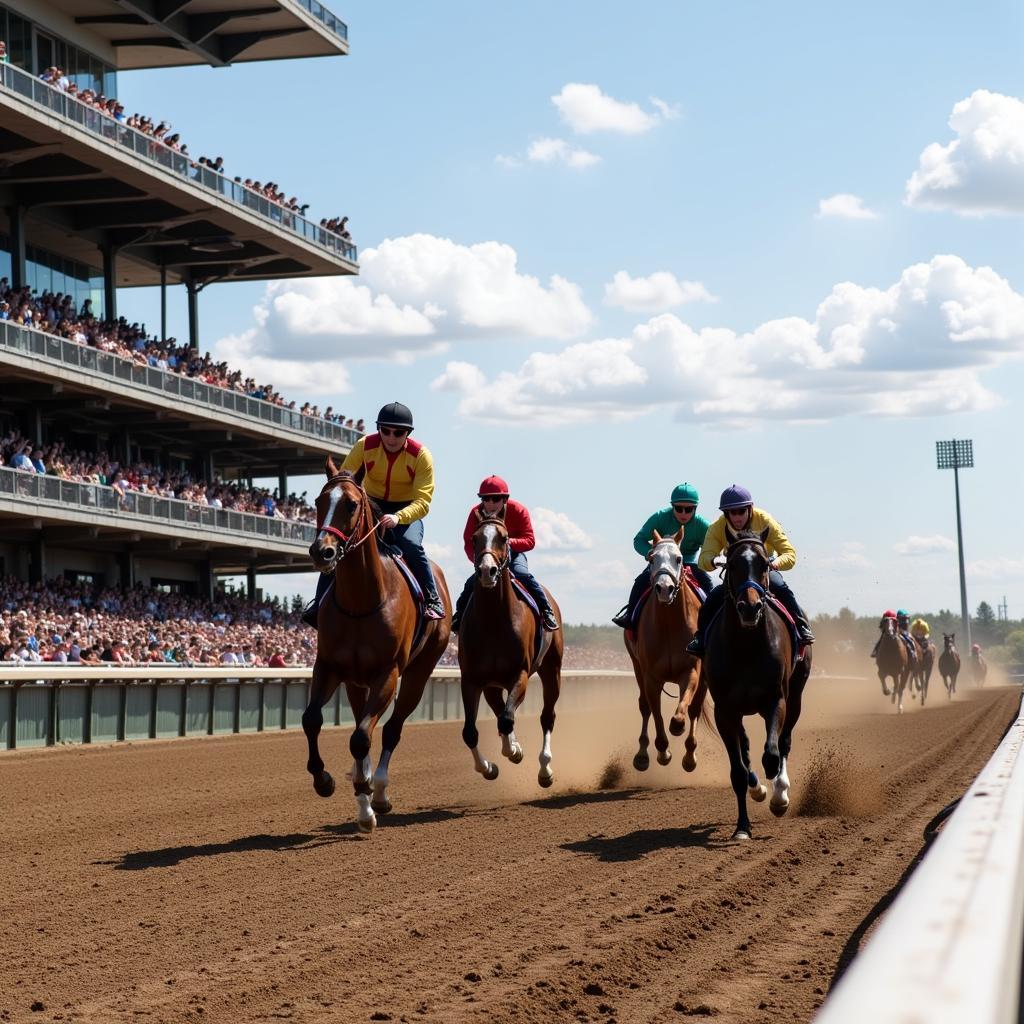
{"type": "Point", "coordinates": [845, 206]}
{"type": "Point", "coordinates": [918, 347]}
{"type": "Point", "coordinates": [547, 151]}
{"type": "Point", "coordinates": [981, 171]}
{"type": "Point", "coordinates": [652, 294]}
{"type": "Point", "coordinates": [416, 294]}
{"type": "Point", "coordinates": [930, 545]}
{"type": "Point", "coordinates": [555, 531]}
{"type": "Point", "coordinates": [586, 110]}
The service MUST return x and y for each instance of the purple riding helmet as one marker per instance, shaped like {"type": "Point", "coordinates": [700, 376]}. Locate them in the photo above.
{"type": "Point", "coordinates": [735, 497]}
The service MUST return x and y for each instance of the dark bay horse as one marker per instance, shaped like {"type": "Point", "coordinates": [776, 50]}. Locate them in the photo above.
{"type": "Point", "coordinates": [892, 661]}
{"type": "Point", "coordinates": [749, 670]}
{"type": "Point", "coordinates": [365, 640]}
{"type": "Point", "coordinates": [925, 665]}
{"type": "Point", "coordinates": [658, 652]}
{"type": "Point", "coordinates": [498, 652]}
{"type": "Point", "coordinates": [949, 663]}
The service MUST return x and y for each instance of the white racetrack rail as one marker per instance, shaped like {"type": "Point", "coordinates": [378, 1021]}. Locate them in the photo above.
{"type": "Point", "coordinates": [948, 950]}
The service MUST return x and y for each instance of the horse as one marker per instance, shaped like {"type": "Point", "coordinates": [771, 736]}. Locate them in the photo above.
{"type": "Point", "coordinates": [498, 652]}
{"type": "Point", "coordinates": [979, 668]}
{"type": "Point", "coordinates": [893, 661]}
{"type": "Point", "coordinates": [949, 663]}
{"type": "Point", "coordinates": [925, 665]}
{"type": "Point", "coordinates": [658, 653]}
{"type": "Point", "coordinates": [750, 670]}
{"type": "Point", "coordinates": [365, 640]}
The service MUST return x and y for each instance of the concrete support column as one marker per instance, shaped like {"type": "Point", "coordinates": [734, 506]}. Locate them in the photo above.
{"type": "Point", "coordinates": [126, 445]}
{"type": "Point", "coordinates": [250, 582]}
{"type": "Point", "coordinates": [193, 314]}
{"type": "Point", "coordinates": [163, 301]}
{"type": "Point", "coordinates": [126, 568]}
{"type": "Point", "coordinates": [206, 580]}
{"type": "Point", "coordinates": [36, 559]}
{"type": "Point", "coordinates": [19, 264]}
{"type": "Point", "coordinates": [37, 425]}
{"type": "Point", "coordinates": [109, 281]}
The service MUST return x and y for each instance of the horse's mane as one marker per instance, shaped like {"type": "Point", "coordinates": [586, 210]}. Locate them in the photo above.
{"type": "Point", "coordinates": [483, 519]}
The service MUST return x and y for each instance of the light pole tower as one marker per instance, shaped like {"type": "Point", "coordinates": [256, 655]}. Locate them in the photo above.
{"type": "Point", "coordinates": [957, 455]}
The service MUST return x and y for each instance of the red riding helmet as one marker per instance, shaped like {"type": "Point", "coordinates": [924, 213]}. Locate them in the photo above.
{"type": "Point", "coordinates": [493, 486]}
{"type": "Point", "coordinates": [888, 614]}
{"type": "Point", "coordinates": [975, 649]}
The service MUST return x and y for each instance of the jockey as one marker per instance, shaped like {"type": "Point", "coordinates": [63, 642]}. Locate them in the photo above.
{"type": "Point", "coordinates": [494, 500]}
{"type": "Point", "coordinates": [903, 624]}
{"type": "Point", "coordinates": [738, 513]}
{"type": "Point", "coordinates": [889, 613]}
{"type": "Point", "coordinates": [681, 511]}
{"type": "Point", "coordinates": [920, 631]}
{"type": "Point", "coordinates": [398, 474]}
{"type": "Point", "coordinates": [975, 650]}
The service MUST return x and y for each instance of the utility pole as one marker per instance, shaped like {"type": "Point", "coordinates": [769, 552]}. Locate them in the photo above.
{"type": "Point", "coordinates": [957, 455]}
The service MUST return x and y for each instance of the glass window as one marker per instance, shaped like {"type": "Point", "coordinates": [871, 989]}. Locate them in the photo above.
{"type": "Point", "coordinates": [95, 74]}
{"type": "Point", "coordinates": [110, 82]}
{"type": "Point", "coordinates": [19, 42]}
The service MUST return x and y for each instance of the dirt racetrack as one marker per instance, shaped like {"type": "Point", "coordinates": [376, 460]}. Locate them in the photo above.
{"type": "Point", "coordinates": [202, 880]}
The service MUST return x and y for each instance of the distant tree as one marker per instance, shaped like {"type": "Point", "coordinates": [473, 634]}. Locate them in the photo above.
{"type": "Point", "coordinates": [985, 616]}
{"type": "Point", "coordinates": [1015, 647]}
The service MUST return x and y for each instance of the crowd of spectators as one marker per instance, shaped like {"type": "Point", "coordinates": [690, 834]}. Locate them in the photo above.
{"type": "Point", "coordinates": [55, 313]}
{"type": "Point", "coordinates": [58, 459]}
{"type": "Point", "coordinates": [64, 621]}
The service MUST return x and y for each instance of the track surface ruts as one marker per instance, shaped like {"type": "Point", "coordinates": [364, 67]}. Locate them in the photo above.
{"type": "Point", "coordinates": [202, 880]}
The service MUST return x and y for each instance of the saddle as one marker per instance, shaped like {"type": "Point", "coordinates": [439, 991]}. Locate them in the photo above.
{"type": "Point", "coordinates": [799, 649]}
{"type": "Point", "coordinates": [691, 581]}
{"type": "Point", "coordinates": [541, 637]}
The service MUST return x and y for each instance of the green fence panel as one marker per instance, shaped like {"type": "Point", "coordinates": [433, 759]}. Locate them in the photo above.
{"type": "Point", "coordinates": [345, 716]}
{"type": "Point", "coordinates": [297, 701]}
{"type": "Point", "coordinates": [6, 702]}
{"type": "Point", "coordinates": [168, 709]}
{"type": "Point", "coordinates": [248, 707]}
{"type": "Point", "coordinates": [197, 711]}
{"type": "Point", "coordinates": [224, 707]}
{"type": "Point", "coordinates": [71, 705]}
{"type": "Point", "coordinates": [138, 703]}
{"type": "Point", "coordinates": [33, 712]}
{"type": "Point", "coordinates": [106, 706]}
{"type": "Point", "coordinates": [454, 688]}
{"type": "Point", "coordinates": [273, 700]}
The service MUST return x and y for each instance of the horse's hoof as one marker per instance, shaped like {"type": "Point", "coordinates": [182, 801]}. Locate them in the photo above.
{"type": "Point", "coordinates": [664, 757]}
{"type": "Point", "coordinates": [758, 792]}
{"type": "Point", "coordinates": [740, 835]}
{"type": "Point", "coordinates": [677, 726]}
{"type": "Point", "coordinates": [779, 807]}
{"type": "Point", "coordinates": [490, 773]}
{"type": "Point", "coordinates": [689, 762]}
{"type": "Point", "coordinates": [381, 806]}
{"type": "Point", "coordinates": [366, 825]}
{"type": "Point", "coordinates": [324, 785]}
{"type": "Point", "coordinates": [641, 762]}
{"type": "Point", "coordinates": [545, 779]}
{"type": "Point", "coordinates": [516, 756]}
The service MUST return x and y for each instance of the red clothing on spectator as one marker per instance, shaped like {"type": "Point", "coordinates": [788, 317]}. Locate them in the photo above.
{"type": "Point", "coordinates": [276, 661]}
{"type": "Point", "coordinates": [517, 522]}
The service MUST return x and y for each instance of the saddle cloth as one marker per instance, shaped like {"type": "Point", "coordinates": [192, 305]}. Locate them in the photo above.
{"type": "Point", "coordinates": [691, 581]}
{"type": "Point", "coordinates": [788, 621]}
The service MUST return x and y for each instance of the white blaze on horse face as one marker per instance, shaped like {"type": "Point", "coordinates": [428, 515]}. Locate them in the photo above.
{"type": "Point", "coordinates": [335, 496]}
{"type": "Point", "coordinates": [665, 569]}
{"type": "Point", "coordinates": [487, 560]}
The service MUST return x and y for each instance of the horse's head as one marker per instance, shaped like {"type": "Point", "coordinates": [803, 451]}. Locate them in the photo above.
{"type": "Point", "coordinates": [746, 574]}
{"type": "Point", "coordinates": [888, 626]}
{"type": "Point", "coordinates": [491, 552]}
{"type": "Point", "coordinates": [342, 510]}
{"type": "Point", "coordinates": [666, 565]}
{"type": "Point", "coordinates": [949, 641]}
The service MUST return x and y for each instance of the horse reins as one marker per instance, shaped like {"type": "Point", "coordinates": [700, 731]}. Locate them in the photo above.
{"type": "Point", "coordinates": [343, 537]}
{"type": "Point", "coordinates": [749, 584]}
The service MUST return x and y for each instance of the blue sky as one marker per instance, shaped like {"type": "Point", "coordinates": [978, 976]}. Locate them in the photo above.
{"type": "Point", "coordinates": [705, 138]}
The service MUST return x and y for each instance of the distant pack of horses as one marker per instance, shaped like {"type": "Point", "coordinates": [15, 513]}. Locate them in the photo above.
{"type": "Point", "coordinates": [911, 671]}
{"type": "Point", "coordinates": [371, 636]}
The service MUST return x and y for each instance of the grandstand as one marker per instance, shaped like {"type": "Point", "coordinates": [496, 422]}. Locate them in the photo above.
{"type": "Point", "coordinates": [91, 203]}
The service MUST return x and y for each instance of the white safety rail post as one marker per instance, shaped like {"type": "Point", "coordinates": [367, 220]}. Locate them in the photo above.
{"type": "Point", "coordinates": [948, 951]}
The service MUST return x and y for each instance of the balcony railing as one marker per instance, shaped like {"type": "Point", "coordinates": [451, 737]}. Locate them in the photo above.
{"type": "Point", "coordinates": [70, 353]}
{"type": "Point", "coordinates": [334, 23]}
{"type": "Point", "coordinates": [27, 86]}
{"type": "Point", "coordinates": [93, 498]}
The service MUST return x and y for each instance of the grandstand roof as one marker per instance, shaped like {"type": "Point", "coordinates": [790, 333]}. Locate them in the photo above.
{"type": "Point", "coordinates": [173, 33]}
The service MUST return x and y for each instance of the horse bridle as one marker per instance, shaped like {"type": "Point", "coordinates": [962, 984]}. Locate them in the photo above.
{"type": "Point", "coordinates": [676, 580]}
{"type": "Point", "coordinates": [346, 546]}
{"type": "Point", "coordinates": [749, 584]}
{"type": "Point", "coordinates": [502, 563]}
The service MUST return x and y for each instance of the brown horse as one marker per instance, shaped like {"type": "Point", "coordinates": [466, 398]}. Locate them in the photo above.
{"type": "Point", "coordinates": [949, 663]}
{"type": "Point", "coordinates": [925, 665]}
{"type": "Point", "coordinates": [979, 668]}
{"type": "Point", "coordinates": [365, 640]}
{"type": "Point", "coordinates": [658, 652]}
{"type": "Point", "coordinates": [498, 653]}
{"type": "Point", "coordinates": [749, 670]}
{"type": "Point", "coordinates": [892, 661]}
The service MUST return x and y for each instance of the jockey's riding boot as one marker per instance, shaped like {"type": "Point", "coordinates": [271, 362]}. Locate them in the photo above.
{"type": "Point", "coordinates": [309, 613]}
{"type": "Point", "coordinates": [456, 620]}
{"type": "Point", "coordinates": [696, 645]}
{"type": "Point", "coordinates": [547, 619]}
{"type": "Point", "coordinates": [433, 609]}
{"type": "Point", "coordinates": [803, 631]}
{"type": "Point", "coordinates": [622, 619]}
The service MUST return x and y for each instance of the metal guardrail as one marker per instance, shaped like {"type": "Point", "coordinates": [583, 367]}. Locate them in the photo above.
{"type": "Point", "coordinates": [32, 342]}
{"type": "Point", "coordinates": [55, 101]}
{"type": "Point", "coordinates": [331, 21]}
{"type": "Point", "coordinates": [92, 498]}
{"type": "Point", "coordinates": [949, 948]}
{"type": "Point", "coordinates": [60, 704]}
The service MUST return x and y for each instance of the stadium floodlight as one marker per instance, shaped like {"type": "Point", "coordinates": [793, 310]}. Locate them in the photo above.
{"type": "Point", "coordinates": [957, 455]}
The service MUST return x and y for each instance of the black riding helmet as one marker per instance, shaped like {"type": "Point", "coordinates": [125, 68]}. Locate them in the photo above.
{"type": "Point", "coordinates": [394, 414]}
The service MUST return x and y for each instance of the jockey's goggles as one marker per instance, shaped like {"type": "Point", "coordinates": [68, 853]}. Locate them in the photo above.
{"type": "Point", "coordinates": [685, 509]}
{"type": "Point", "coordinates": [393, 431]}
{"type": "Point", "coordinates": [492, 497]}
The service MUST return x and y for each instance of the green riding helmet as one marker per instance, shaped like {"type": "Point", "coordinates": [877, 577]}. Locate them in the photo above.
{"type": "Point", "coordinates": [684, 492]}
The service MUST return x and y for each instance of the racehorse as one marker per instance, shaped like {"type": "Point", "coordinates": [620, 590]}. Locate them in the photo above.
{"type": "Point", "coordinates": [892, 661]}
{"type": "Point", "coordinates": [658, 652]}
{"type": "Point", "coordinates": [979, 668]}
{"type": "Point", "coordinates": [498, 652]}
{"type": "Point", "coordinates": [750, 670]}
{"type": "Point", "coordinates": [365, 637]}
{"type": "Point", "coordinates": [949, 663]}
{"type": "Point", "coordinates": [925, 665]}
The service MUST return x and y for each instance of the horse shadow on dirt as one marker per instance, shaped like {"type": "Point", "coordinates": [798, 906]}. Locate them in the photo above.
{"type": "Point", "coordinates": [562, 800]}
{"type": "Point", "coordinates": [636, 845]}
